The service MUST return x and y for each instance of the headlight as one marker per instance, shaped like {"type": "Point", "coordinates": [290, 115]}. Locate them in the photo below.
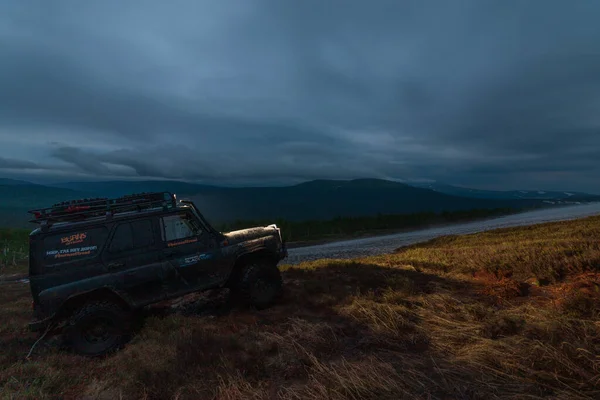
{"type": "Point", "coordinates": [274, 226]}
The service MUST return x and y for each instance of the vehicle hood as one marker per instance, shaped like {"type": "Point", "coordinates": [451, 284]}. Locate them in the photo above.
{"type": "Point", "coordinates": [252, 233]}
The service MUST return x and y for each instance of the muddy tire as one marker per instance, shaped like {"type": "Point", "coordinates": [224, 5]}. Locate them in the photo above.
{"type": "Point", "coordinates": [97, 328]}
{"type": "Point", "coordinates": [259, 285]}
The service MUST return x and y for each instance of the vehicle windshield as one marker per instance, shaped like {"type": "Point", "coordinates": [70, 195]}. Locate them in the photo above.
{"type": "Point", "coordinates": [192, 224]}
{"type": "Point", "coordinates": [201, 217]}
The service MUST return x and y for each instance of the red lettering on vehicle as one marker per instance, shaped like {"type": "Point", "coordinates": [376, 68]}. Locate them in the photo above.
{"type": "Point", "coordinates": [73, 239]}
{"type": "Point", "coordinates": [186, 241]}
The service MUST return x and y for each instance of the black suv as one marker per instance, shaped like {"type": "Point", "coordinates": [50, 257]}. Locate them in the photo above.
{"type": "Point", "coordinates": [93, 262]}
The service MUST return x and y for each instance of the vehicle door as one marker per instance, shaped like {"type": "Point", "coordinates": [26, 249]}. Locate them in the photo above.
{"type": "Point", "coordinates": [191, 251]}
{"type": "Point", "coordinates": [63, 263]}
{"type": "Point", "coordinates": [133, 257]}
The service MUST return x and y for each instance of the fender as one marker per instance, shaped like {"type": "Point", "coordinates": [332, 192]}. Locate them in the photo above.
{"type": "Point", "coordinates": [56, 297]}
{"type": "Point", "coordinates": [263, 247]}
{"type": "Point", "coordinates": [64, 307]}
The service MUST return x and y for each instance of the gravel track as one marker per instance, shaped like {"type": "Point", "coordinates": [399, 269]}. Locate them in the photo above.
{"type": "Point", "coordinates": [387, 244]}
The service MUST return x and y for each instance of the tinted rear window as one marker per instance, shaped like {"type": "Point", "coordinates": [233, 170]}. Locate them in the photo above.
{"type": "Point", "coordinates": [132, 235]}
{"type": "Point", "coordinates": [122, 239]}
{"type": "Point", "coordinates": [67, 247]}
{"type": "Point", "coordinates": [143, 235]}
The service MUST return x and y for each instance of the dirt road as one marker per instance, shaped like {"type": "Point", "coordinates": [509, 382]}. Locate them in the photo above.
{"type": "Point", "coordinates": [385, 244]}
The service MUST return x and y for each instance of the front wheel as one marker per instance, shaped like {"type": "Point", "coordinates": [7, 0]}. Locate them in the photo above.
{"type": "Point", "coordinates": [97, 328]}
{"type": "Point", "coordinates": [259, 285]}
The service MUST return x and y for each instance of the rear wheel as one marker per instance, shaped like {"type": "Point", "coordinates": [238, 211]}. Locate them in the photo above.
{"type": "Point", "coordinates": [97, 328]}
{"type": "Point", "coordinates": [259, 284]}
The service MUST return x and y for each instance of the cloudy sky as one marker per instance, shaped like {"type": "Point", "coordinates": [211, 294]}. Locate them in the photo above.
{"type": "Point", "coordinates": [489, 94]}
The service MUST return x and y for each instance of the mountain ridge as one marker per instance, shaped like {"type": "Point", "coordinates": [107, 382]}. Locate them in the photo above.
{"type": "Point", "coordinates": [312, 200]}
{"type": "Point", "coordinates": [502, 194]}
{"type": "Point", "coordinates": [191, 188]}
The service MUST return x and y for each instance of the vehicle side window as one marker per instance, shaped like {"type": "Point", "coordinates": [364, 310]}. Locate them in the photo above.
{"type": "Point", "coordinates": [133, 235]}
{"type": "Point", "coordinates": [177, 227]}
{"type": "Point", "coordinates": [143, 235]}
{"type": "Point", "coordinates": [122, 239]}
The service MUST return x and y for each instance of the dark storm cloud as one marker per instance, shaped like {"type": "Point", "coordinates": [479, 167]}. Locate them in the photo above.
{"type": "Point", "coordinates": [83, 161]}
{"type": "Point", "coordinates": [300, 160]}
{"type": "Point", "coordinates": [489, 93]}
{"type": "Point", "coordinates": [9, 163]}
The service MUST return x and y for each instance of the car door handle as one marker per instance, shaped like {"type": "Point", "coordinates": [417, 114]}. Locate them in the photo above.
{"type": "Point", "coordinates": [115, 265]}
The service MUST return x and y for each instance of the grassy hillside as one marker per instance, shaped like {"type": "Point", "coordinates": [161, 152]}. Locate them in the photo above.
{"type": "Point", "coordinates": [14, 248]}
{"type": "Point", "coordinates": [508, 314]}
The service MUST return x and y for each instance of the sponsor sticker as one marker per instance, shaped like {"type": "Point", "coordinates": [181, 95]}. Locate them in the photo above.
{"type": "Point", "coordinates": [72, 252]}
{"type": "Point", "coordinates": [73, 239]}
{"type": "Point", "coordinates": [182, 242]}
{"type": "Point", "coordinates": [194, 259]}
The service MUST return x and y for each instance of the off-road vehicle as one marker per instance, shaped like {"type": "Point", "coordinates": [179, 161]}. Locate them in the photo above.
{"type": "Point", "coordinates": [93, 262]}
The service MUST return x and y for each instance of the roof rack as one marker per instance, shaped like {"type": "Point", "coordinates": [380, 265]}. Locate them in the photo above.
{"type": "Point", "coordinates": [82, 209]}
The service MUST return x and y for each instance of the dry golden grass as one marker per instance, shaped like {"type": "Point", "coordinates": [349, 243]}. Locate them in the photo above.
{"type": "Point", "coordinates": [509, 314]}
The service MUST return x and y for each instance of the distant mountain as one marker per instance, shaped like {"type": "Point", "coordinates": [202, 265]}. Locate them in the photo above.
{"type": "Point", "coordinates": [319, 199]}
{"type": "Point", "coordinates": [510, 194]}
{"type": "Point", "coordinates": [33, 195]}
{"type": "Point", "coordinates": [17, 198]}
{"type": "Point", "coordinates": [7, 181]}
{"type": "Point", "coordinates": [325, 199]}
{"type": "Point", "coordinates": [120, 188]}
